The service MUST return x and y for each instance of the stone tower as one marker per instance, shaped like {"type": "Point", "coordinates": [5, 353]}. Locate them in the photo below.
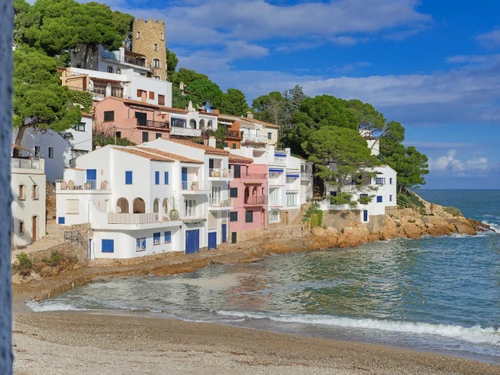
{"type": "Point", "coordinates": [148, 38]}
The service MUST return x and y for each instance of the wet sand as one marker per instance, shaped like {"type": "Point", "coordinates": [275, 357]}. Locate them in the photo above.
{"type": "Point", "coordinates": [85, 343]}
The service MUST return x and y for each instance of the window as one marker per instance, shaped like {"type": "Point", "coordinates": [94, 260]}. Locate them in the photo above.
{"type": "Point", "coordinates": [145, 136]}
{"type": "Point", "coordinates": [140, 244]}
{"type": "Point", "coordinates": [275, 197]}
{"type": "Point", "coordinates": [22, 192]}
{"type": "Point", "coordinates": [109, 115]}
{"type": "Point", "coordinates": [156, 63]}
{"type": "Point", "coordinates": [158, 135]}
{"type": "Point", "coordinates": [80, 127]}
{"type": "Point", "coordinates": [138, 35]}
{"type": "Point", "coordinates": [118, 135]}
{"type": "Point", "coordinates": [21, 227]}
{"type": "Point", "coordinates": [291, 199]}
{"type": "Point", "coordinates": [390, 198]}
{"type": "Point", "coordinates": [151, 95]}
{"type": "Point", "coordinates": [108, 246]}
{"type": "Point", "coordinates": [379, 199]}
{"type": "Point", "coordinates": [72, 206]}
{"type": "Point", "coordinates": [155, 47]}
{"type": "Point", "coordinates": [161, 36]}
{"type": "Point", "coordinates": [110, 69]}
{"type": "Point", "coordinates": [249, 217]}
{"type": "Point", "coordinates": [233, 193]}
{"type": "Point", "coordinates": [142, 118]}
{"type": "Point", "coordinates": [379, 181]}
{"type": "Point", "coordinates": [118, 71]}
{"type": "Point", "coordinates": [168, 237]}
{"type": "Point", "coordinates": [178, 123]}
{"type": "Point", "coordinates": [234, 146]}
{"type": "Point", "coordinates": [61, 220]}
{"type": "Point", "coordinates": [237, 171]}
{"type": "Point", "coordinates": [161, 99]}
{"type": "Point", "coordinates": [117, 92]}
{"type": "Point", "coordinates": [226, 144]}
{"type": "Point", "coordinates": [157, 78]}
{"type": "Point", "coordinates": [269, 135]}
{"type": "Point", "coordinates": [157, 178]}
{"type": "Point", "coordinates": [140, 92]}
{"type": "Point", "coordinates": [233, 216]}
{"type": "Point", "coordinates": [156, 238]}
{"type": "Point", "coordinates": [37, 152]}
{"type": "Point", "coordinates": [274, 216]}
{"type": "Point", "coordinates": [51, 152]}
{"type": "Point", "coordinates": [128, 177]}
{"type": "Point", "coordinates": [35, 193]}
{"type": "Point", "coordinates": [165, 178]}
{"type": "Point", "coordinates": [390, 181]}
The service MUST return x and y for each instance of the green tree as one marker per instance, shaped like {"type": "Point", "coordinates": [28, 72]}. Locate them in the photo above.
{"type": "Point", "coordinates": [269, 108]}
{"type": "Point", "coordinates": [203, 91]}
{"type": "Point", "coordinates": [186, 76]}
{"type": "Point", "coordinates": [234, 103]}
{"type": "Point", "coordinates": [340, 155]}
{"type": "Point", "coordinates": [172, 62]}
{"type": "Point", "coordinates": [370, 121]}
{"type": "Point", "coordinates": [40, 101]}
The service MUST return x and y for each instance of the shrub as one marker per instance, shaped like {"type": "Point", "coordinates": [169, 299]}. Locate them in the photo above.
{"type": "Point", "coordinates": [412, 221]}
{"type": "Point", "coordinates": [23, 265]}
{"type": "Point", "coordinates": [342, 198]}
{"type": "Point", "coordinates": [365, 199]}
{"type": "Point", "coordinates": [453, 211]}
{"type": "Point", "coordinates": [84, 98]}
{"type": "Point", "coordinates": [54, 260]}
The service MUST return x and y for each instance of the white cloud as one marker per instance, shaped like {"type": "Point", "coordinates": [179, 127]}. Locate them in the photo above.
{"type": "Point", "coordinates": [239, 49]}
{"type": "Point", "coordinates": [490, 39]}
{"type": "Point", "coordinates": [450, 165]}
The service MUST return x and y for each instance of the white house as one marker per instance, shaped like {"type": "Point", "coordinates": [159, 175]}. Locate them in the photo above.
{"type": "Point", "coordinates": [28, 205]}
{"type": "Point", "coordinates": [129, 195]}
{"type": "Point", "coordinates": [58, 149]}
{"type": "Point", "coordinates": [204, 191]}
{"type": "Point", "coordinates": [306, 181]}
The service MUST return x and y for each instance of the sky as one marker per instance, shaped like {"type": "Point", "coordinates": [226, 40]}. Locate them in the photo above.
{"type": "Point", "coordinates": [431, 65]}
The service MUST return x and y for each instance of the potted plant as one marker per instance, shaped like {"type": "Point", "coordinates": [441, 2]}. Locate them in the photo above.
{"type": "Point", "coordinates": [174, 214]}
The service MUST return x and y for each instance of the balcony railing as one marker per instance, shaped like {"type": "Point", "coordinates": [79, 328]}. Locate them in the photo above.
{"type": "Point", "coordinates": [215, 202]}
{"type": "Point", "coordinates": [217, 173]}
{"type": "Point", "coordinates": [254, 176]}
{"type": "Point", "coordinates": [194, 213]}
{"type": "Point", "coordinates": [280, 161]}
{"type": "Point", "coordinates": [194, 186]}
{"type": "Point", "coordinates": [256, 201]}
{"type": "Point", "coordinates": [234, 134]}
{"type": "Point", "coordinates": [255, 138]}
{"type": "Point", "coordinates": [150, 218]}
{"type": "Point", "coordinates": [185, 132]}
{"type": "Point", "coordinates": [153, 124]}
{"type": "Point", "coordinates": [88, 185]}
{"type": "Point", "coordinates": [27, 164]}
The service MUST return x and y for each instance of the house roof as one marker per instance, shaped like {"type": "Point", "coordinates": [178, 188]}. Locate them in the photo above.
{"type": "Point", "coordinates": [239, 159]}
{"type": "Point", "coordinates": [142, 154]}
{"type": "Point", "coordinates": [247, 120]}
{"type": "Point", "coordinates": [208, 149]}
{"type": "Point", "coordinates": [169, 155]}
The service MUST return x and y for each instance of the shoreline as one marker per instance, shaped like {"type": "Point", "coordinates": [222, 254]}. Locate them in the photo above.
{"type": "Point", "coordinates": [85, 342]}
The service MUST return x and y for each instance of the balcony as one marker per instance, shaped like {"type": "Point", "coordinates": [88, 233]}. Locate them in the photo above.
{"type": "Point", "coordinates": [254, 138]}
{"type": "Point", "coordinates": [306, 176]}
{"type": "Point", "coordinates": [88, 185]}
{"type": "Point", "coordinates": [234, 134]}
{"type": "Point", "coordinates": [19, 163]}
{"type": "Point", "coordinates": [196, 187]}
{"type": "Point", "coordinates": [221, 204]}
{"type": "Point", "coordinates": [193, 214]}
{"type": "Point", "coordinates": [153, 124]}
{"type": "Point", "coordinates": [124, 219]}
{"type": "Point", "coordinates": [185, 132]}
{"type": "Point", "coordinates": [220, 174]}
{"type": "Point", "coordinates": [254, 176]}
{"type": "Point", "coordinates": [256, 201]}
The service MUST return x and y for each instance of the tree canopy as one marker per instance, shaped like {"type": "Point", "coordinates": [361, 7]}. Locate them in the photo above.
{"type": "Point", "coordinates": [234, 103]}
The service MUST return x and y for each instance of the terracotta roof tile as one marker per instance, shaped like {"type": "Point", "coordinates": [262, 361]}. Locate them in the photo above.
{"type": "Point", "coordinates": [143, 154]}
{"type": "Point", "coordinates": [239, 159]}
{"type": "Point", "coordinates": [169, 155]}
{"type": "Point", "coordinates": [208, 149]}
{"type": "Point", "coordinates": [146, 104]}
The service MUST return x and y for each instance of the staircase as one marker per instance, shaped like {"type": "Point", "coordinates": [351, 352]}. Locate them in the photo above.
{"type": "Point", "coordinates": [50, 203]}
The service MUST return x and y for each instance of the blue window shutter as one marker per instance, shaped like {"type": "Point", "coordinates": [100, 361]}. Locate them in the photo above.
{"type": "Point", "coordinates": [166, 178]}
{"type": "Point", "coordinates": [128, 177]}
{"type": "Point", "coordinates": [379, 199]}
{"type": "Point", "coordinates": [108, 246]}
{"type": "Point", "coordinates": [157, 178]}
{"type": "Point", "coordinates": [61, 220]}
{"type": "Point", "coordinates": [168, 237]}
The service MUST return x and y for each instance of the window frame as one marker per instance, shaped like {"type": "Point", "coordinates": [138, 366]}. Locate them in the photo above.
{"type": "Point", "coordinates": [107, 242]}
{"type": "Point", "coordinates": [21, 194]}
{"type": "Point", "coordinates": [165, 178]}
{"type": "Point", "coordinates": [167, 237]}
{"type": "Point", "coordinates": [233, 216]}
{"type": "Point", "coordinates": [269, 135]}
{"type": "Point", "coordinates": [72, 207]}
{"type": "Point", "coordinates": [236, 171]}
{"type": "Point", "coordinates": [231, 191]}
{"type": "Point", "coordinates": [380, 199]}
{"type": "Point", "coordinates": [129, 176]}
{"type": "Point", "coordinates": [156, 238]}
{"type": "Point", "coordinates": [109, 116]}
{"type": "Point", "coordinates": [145, 136]}
{"type": "Point", "coordinates": [140, 244]}
{"type": "Point", "coordinates": [51, 152]}
{"type": "Point", "coordinates": [157, 177]}
{"type": "Point", "coordinates": [249, 216]}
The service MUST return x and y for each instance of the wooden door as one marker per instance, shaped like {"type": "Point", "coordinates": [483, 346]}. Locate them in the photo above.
{"type": "Point", "coordinates": [34, 228]}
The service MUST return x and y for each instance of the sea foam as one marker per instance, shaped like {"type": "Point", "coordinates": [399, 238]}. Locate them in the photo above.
{"type": "Point", "coordinates": [41, 307]}
{"type": "Point", "coordinates": [476, 334]}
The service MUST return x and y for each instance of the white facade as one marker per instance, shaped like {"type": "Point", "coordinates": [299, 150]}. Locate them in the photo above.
{"type": "Point", "coordinates": [58, 149]}
{"type": "Point", "coordinates": [306, 181]}
{"type": "Point", "coordinates": [28, 205]}
{"type": "Point", "coordinates": [192, 123]}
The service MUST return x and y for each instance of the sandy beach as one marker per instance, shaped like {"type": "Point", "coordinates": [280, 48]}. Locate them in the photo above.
{"type": "Point", "coordinates": [85, 343]}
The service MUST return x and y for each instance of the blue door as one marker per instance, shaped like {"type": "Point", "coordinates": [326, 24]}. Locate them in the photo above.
{"type": "Point", "coordinates": [224, 233]}
{"type": "Point", "coordinates": [212, 240]}
{"type": "Point", "coordinates": [365, 216]}
{"type": "Point", "coordinates": [92, 177]}
{"type": "Point", "coordinates": [184, 178]}
{"type": "Point", "coordinates": [192, 241]}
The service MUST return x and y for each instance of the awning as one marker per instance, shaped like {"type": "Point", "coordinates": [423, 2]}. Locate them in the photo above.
{"type": "Point", "coordinates": [292, 176]}
{"type": "Point", "coordinates": [280, 155]}
{"type": "Point", "coordinates": [276, 170]}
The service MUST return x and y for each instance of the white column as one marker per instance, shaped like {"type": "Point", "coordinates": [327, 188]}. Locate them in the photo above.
{"type": "Point", "coordinates": [6, 16]}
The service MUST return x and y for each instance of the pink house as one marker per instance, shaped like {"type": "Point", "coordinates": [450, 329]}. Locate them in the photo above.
{"type": "Point", "coordinates": [135, 120]}
{"type": "Point", "coordinates": [249, 193]}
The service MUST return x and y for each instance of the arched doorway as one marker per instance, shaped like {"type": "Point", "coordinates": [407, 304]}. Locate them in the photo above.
{"type": "Point", "coordinates": [202, 124]}
{"type": "Point", "coordinates": [192, 123]}
{"type": "Point", "coordinates": [164, 209]}
{"type": "Point", "coordinates": [210, 125]}
{"type": "Point", "coordinates": [247, 195]}
{"type": "Point", "coordinates": [139, 206]}
{"type": "Point", "coordinates": [122, 206]}
{"type": "Point", "coordinates": [156, 206]}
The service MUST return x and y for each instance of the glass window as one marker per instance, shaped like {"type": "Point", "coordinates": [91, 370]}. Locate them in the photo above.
{"type": "Point", "coordinates": [233, 192]}
{"type": "Point", "coordinates": [178, 123]}
{"type": "Point", "coordinates": [156, 63]}
{"type": "Point", "coordinates": [156, 238]}
{"type": "Point", "coordinates": [21, 227]}
{"type": "Point", "coordinates": [237, 171]}
{"type": "Point", "coordinates": [142, 118]}
{"type": "Point", "coordinates": [269, 135]}
{"type": "Point", "coordinates": [140, 244]}
{"type": "Point", "coordinates": [109, 115]}
{"type": "Point", "coordinates": [110, 69]}
{"type": "Point", "coordinates": [234, 146]}
{"type": "Point", "coordinates": [249, 217]}
{"type": "Point", "coordinates": [168, 237]}
{"type": "Point", "coordinates": [80, 127]}
{"type": "Point", "coordinates": [233, 216]}
{"type": "Point", "coordinates": [380, 181]}
{"type": "Point", "coordinates": [118, 135]}
{"type": "Point", "coordinates": [145, 136]}
{"type": "Point", "coordinates": [37, 152]}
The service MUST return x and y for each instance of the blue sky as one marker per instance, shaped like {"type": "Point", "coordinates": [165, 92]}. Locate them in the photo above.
{"type": "Point", "coordinates": [432, 65]}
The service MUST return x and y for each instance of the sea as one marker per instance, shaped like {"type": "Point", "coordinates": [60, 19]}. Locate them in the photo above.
{"type": "Point", "coordinates": [435, 294]}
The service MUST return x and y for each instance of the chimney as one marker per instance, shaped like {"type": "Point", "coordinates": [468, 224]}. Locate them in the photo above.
{"type": "Point", "coordinates": [216, 112]}
{"type": "Point", "coordinates": [249, 115]}
{"type": "Point", "coordinates": [212, 142]}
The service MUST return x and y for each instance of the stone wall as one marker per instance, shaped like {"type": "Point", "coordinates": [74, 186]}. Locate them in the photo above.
{"type": "Point", "coordinates": [151, 33]}
{"type": "Point", "coordinates": [340, 219]}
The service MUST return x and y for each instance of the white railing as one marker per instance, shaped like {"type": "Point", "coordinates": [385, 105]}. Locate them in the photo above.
{"type": "Point", "coordinates": [27, 164]}
{"type": "Point", "coordinates": [150, 218]}
{"type": "Point", "coordinates": [220, 173]}
{"type": "Point", "coordinates": [214, 202]}
{"type": "Point", "coordinates": [185, 132]}
{"type": "Point", "coordinates": [306, 175]}
{"type": "Point", "coordinates": [194, 214]}
{"type": "Point", "coordinates": [279, 161]}
{"type": "Point", "coordinates": [255, 138]}
{"type": "Point", "coordinates": [196, 186]}
{"type": "Point", "coordinates": [88, 185]}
